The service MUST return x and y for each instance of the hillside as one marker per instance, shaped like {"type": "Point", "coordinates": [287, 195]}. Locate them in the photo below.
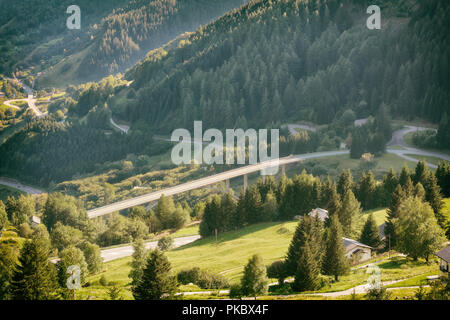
{"type": "Point", "coordinates": [114, 34]}
{"type": "Point", "coordinates": [263, 65]}
{"type": "Point", "coordinates": [276, 60]}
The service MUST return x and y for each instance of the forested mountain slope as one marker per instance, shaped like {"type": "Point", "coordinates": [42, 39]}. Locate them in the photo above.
{"type": "Point", "coordinates": [305, 60]}
{"type": "Point", "coordinates": [114, 34]}
{"type": "Point", "coordinates": [262, 65]}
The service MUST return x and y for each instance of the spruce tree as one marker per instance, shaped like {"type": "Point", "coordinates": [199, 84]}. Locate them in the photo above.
{"type": "Point", "coordinates": [3, 216]}
{"type": "Point", "coordinates": [157, 282]}
{"type": "Point", "coordinates": [404, 175]}
{"type": "Point", "coordinates": [308, 270]}
{"type": "Point", "coordinates": [255, 281]}
{"type": "Point", "coordinates": [34, 277]}
{"type": "Point", "coordinates": [421, 172]}
{"type": "Point", "coordinates": [8, 259]}
{"type": "Point", "coordinates": [408, 187]}
{"type": "Point", "coordinates": [349, 214]}
{"type": "Point", "coordinates": [443, 177]}
{"type": "Point", "coordinates": [138, 261]}
{"type": "Point", "coordinates": [390, 182]}
{"type": "Point", "coordinates": [370, 234]}
{"type": "Point", "coordinates": [309, 228]}
{"type": "Point", "coordinates": [367, 191]}
{"type": "Point", "coordinates": [392, 213]}
{"type": "Point", "coordinates": [434, 198]}
{"type": "Point", "coordinates": [344, 183]}
{"type": "Point", "coordinates": [335, 263]}
{"type": "Point", "coordinates": [419, 192]}
{"type": "Point", "coordinates": [335, 203]}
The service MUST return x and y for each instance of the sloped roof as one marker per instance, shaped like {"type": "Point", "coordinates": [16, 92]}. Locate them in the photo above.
{"type": "Point", "coordinates": [350, 244]}
{"type": "Point", "coordinates": [319, 212]}
{"type": "Point", "coordinates": [444, 254]}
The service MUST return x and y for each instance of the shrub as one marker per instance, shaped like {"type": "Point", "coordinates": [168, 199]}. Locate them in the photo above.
{"type": "Point", "coordinates": [235, 291]}
{"type": "Point", "coordinates": [202, 278]}
{"type": "Point", "coordinates": [165, 243]}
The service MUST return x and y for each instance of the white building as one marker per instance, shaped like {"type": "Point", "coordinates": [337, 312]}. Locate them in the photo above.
{"type": "Point", "coordinates": [357, 251]}
{"type": "Point", "coordinates": [35, 221]}
{"type": "Point", "coordinates": [319, 212]}
{"type": "Point", "coordinates": [444, 254]}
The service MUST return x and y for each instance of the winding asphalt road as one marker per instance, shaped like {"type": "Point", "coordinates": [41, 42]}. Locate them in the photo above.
{"type": "Point", "coordinates": [398, 140]}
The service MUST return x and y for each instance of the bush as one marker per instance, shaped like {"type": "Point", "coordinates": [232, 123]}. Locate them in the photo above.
{"type": "Point", "coordinates": [202, 278]}
{"type": "Point", "coordinates": [165, 243]}
{"type": "Point", "coordinates": [277, 270]}
{"type": "Point", "coordinates": [189, 275]}
{"type": "Point", "coordinates": [235, 291]}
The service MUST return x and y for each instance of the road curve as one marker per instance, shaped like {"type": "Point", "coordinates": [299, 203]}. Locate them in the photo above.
{"type": "Point", "coordinates": [9, 103]}
{"type": "Point", "coordinates": [126, 251]}
{"type": "Point", "coordinates": [17, 185]}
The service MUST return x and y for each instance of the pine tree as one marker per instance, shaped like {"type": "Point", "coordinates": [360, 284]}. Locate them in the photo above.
{"type": "Point", "coordinates": [254, 282]}
{"type": "Point", "coordinates": [404, 175]}
{"type": "Point", "coordinates": [421, 172]}
{"type": "Point", "coordinates": [3, 216]}
{"type": "Point", "coordinates": [390, 182]}
{"type": "Point", "coordinates": [349, 214]}
{"type": "Point", "coordinates": [419, 192]}
{"type": "Point", "coordinates": [335, 262]}
{"type": "Point", "coordinates": [335, 203]}
{"type": "Point", "coordinates": [392, 213]}
{"type": "Point", "coordinates": [434, 198]}
{"type": "Point", "coordinates": [345, 183]}
{"type": "Point", "coordinates": [34, 277]}
{"type": "Point", "coordinates": [157, 282]}
{"type": "Point", "coordinates": [308, 270]}
{"type": "Point", "coordinates": [367, 191]}
{"type": "Point", "coordinates": [443, 177]}
{"type": "Point", "coordinates": [8, 259]}
{"type": "Point", "coordinates": [370, 234]}
{"type": "Point", "coordinates": [138, 261]}
{"type": "Point", "coordinates": [408, 187]}
{"type": "Point", "coordinates": [309, 228]}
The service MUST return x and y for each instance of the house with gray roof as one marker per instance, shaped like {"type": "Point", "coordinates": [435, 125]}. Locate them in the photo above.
{"type": "Point", "coordinates": [356, 251]}
{"type": "Point", "coordinates": [444, 266]}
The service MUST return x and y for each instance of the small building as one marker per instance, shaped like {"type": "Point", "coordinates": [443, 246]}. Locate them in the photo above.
{"type": "Point", "coordinates": [35, 221]}
{"type": "Point", "coordinates": [357, 251]}
{"type": "Point", "coordinates": [319, 212]}
{"type": "Point", "coordinates": [444, 266]}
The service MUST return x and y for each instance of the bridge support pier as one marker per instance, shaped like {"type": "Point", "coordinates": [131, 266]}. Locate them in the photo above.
{"type": "Point", "coordinates": [283, 169]}
{"type": "Point", "coordinates": [245, 182]}
{"type": "Point", "coordinates": [227, 185]}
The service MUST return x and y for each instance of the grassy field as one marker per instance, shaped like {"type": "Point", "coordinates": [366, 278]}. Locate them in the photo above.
{"type": "Point", "coordinates": [227, 257]}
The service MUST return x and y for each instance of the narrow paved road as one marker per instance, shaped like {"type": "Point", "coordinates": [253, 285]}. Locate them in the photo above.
{"type": "Point", "coordinates": [126, 251]}
{"type": "Point", "coordinates": [9, 103]}
{"type": "Point", "coordinates": [17, 185]}
{"type": "Point", "coordinates": [293, 128]}
{"type": "Point", "coordinates": [121, 127]}
{"type": "Point", "coordinates": [398, 140]}
{"type": "Point", "coordinates": [30, 100]}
